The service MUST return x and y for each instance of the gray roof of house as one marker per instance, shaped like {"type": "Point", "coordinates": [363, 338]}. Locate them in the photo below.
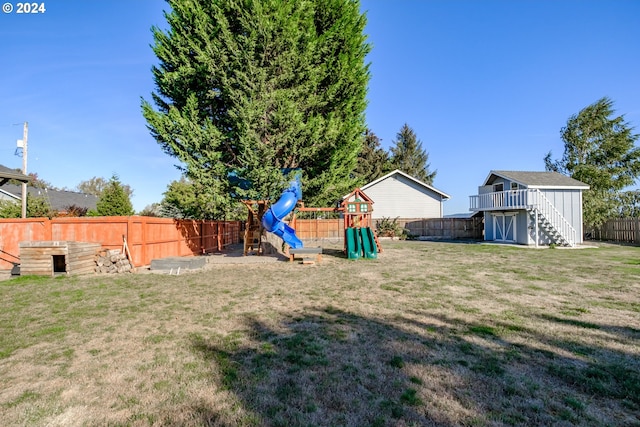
{"type": "Point", "coordinates": [464, 215]}
{"type": "Point", "coordinates": [538, 179]}
{"type": "Point", "coordinates": [58, 199]}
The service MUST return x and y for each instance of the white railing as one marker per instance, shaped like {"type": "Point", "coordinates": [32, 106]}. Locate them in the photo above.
{"type": "Point", "coordinates": [555, 218]}
{"type": "Point", "coordinates": [529, 199]}
{"type": "Point", "coordinates": [500, 200]}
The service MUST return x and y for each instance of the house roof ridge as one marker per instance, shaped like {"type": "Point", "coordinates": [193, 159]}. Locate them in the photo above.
{"type": "Point", "coordinates": [398, 171]}
{"type": "Point", "coordinates": [538, 179]}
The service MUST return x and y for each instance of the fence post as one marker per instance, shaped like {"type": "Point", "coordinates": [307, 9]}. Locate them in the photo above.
{"type": "Point", "coordinates": [143, 244]}
{"type": "Point", "coordinates": [202, 241]}
{"type": "Point", "coordinates": [48, 229]}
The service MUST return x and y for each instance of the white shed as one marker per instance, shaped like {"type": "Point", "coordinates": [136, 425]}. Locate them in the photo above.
{"type": "Point", "coordinates": [531, 208]}
{"type": "Point", "coordinates": [398, 194]}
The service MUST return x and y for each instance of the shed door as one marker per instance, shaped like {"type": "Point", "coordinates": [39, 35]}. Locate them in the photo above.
{"type": "Point", "coordinates": [504, 227]}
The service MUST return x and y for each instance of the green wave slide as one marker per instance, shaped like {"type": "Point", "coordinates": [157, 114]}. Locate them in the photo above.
{"type": "Point", "coordinates": [360, 243]}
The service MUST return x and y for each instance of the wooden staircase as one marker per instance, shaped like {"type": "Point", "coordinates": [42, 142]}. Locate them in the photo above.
{"type": "Point", "coordinates": [545, 215]}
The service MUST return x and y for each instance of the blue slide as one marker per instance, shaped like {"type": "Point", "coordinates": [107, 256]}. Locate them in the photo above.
{"type": "Point", "coordinates": [272, 218]}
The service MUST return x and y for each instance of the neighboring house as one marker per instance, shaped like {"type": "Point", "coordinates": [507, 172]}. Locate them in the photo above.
{"type": "Point", "coordinates": [398, 195]}
{"type": "Point", "coordinates": [531, 208]}
{"type": "Point", "coordinates": [6, 195]}
{"type": "Point", "coordinates": [58, 200]}
{"type": "Point", "coordinates": [6, 175]}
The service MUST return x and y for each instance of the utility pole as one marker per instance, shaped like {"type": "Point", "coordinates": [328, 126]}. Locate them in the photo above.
{"type": "Point", "coordinates": [25, 135]}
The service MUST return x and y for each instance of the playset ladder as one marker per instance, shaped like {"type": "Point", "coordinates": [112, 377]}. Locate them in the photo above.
{"type": "Point", "coordinates": [375, 237]}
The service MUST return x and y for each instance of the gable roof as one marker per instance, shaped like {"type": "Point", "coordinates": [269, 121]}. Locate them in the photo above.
{"type": "Point", "coordinates": [6, 174]}
{"type": "Point", "coordinates": [359, 194]}
{"type": "Point", "coordinates": [399, 172]}
{"type": "Point", "coordinates": [547, 179]}
{"type": "Point", "coordinates": [58, 199]}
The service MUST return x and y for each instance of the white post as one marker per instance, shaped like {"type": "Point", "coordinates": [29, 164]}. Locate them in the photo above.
{"type": "Point", "coordinates": [25, 134]}
{"type": "Point", "coordinates": [536, 226]}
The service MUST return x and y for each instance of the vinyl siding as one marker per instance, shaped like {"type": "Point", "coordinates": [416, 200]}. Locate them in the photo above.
{"type": "Point", "coordinates": [569, 204]}
{"type": "Point", "coordinates": [397, 196]}
{"type": "Point", "coordinates": [7, 197]}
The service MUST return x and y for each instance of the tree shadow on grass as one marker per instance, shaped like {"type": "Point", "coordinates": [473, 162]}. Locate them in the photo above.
{"type": "Point", "coordinates": [324, 368]}
{"type": "Point", "coordinates": [605, 369]}
{"type": "Point", "coordinates": [328, 367]}
{"type": "Point", "coordinates": [583, 369]}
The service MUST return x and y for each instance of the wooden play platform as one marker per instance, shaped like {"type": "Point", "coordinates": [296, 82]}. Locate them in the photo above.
{"type": "Point", "coordinates": [306, 254]}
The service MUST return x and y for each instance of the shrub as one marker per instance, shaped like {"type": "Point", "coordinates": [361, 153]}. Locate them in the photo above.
{"type": "Point", "coordinates": [387, 227]}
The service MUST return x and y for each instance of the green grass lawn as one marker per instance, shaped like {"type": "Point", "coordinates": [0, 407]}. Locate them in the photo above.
{"type": "Point", "coordinates": [427, 334]}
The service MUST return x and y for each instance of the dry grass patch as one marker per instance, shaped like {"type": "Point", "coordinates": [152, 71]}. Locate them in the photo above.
{"type": "Point", "coordinates": [428, 334]}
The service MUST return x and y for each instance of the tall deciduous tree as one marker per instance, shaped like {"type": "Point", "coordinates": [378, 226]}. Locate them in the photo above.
{"type": "Point", "coordinates": [96, 186]}
{"type": "Point", "coordinates": [599, 150]}
{"type": "Point", "coordinates": [408, 155]}
{"type": "Point", "coordinates": [35, 181]}
{"type": "Point", "coordinates": [373, 160]}
{"type": "Point", "coordinates": [114, 200]}
{"type": "Point", "coordinates": [247, 89]}
{"type": "Point", "coordinates": [629, 204]}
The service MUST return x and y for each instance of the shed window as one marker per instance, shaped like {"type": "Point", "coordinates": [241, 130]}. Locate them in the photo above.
{"type": "Point", "coordinates": [364, 207]}
{"type": "Point", "coordinates": [351, 208]}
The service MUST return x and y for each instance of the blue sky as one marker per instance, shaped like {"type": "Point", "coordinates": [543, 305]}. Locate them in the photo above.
{"type": "Point", "coordinates": [484, 84]}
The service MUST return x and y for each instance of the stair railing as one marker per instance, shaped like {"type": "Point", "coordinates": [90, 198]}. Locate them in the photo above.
{"type": "Point", "coordinates": [554, 217]}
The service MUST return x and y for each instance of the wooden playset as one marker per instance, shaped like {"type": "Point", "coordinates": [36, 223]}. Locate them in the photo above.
{"type": "Point", "coordinates": [253, 227]}
{"type": "Point", "coordinates": [356, 209]}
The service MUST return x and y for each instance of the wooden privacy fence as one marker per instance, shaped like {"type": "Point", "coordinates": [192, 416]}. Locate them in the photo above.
{"type": "Point", "coordinates": [320, 228]}
{"type": "Point", "coordinates": [624, 230]}
{"type": "Point", "coordinates": [147, 237]}
{"type": "Point", "coordinates": [445, 228]}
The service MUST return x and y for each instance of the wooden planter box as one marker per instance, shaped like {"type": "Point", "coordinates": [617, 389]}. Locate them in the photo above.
{"type": "Point", "coordinates": [49, 258]}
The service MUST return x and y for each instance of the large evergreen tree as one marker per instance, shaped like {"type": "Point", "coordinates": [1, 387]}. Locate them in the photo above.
{"type": "Point", "coordinates": [247, 89]}
{"type": "Point", "coordinates": [408, 155]}
{"type": "Point", "coordinates": [373, 160]}
{"type": "Point", "coordinates": [599, 150]}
